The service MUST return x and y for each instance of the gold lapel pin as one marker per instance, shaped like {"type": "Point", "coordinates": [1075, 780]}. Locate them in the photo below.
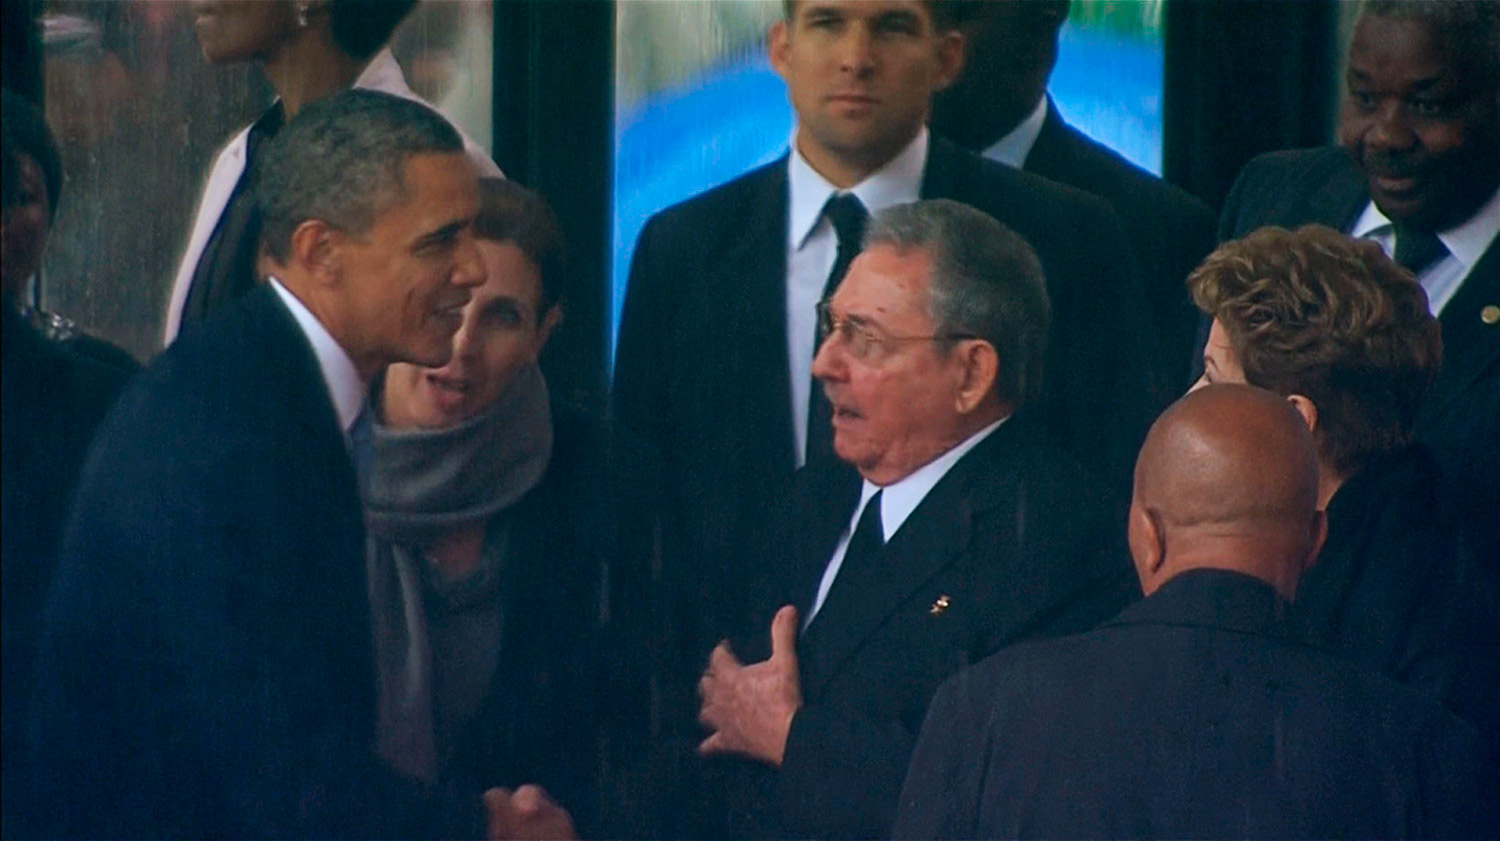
{"type": "Point", "coordinates": [940, 605]}
{"type": "Point", "coordinates": [1490, 314]}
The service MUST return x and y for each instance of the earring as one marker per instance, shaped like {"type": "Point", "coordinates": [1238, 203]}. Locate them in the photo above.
{"type": "Point", "coordinates": [302, 10]}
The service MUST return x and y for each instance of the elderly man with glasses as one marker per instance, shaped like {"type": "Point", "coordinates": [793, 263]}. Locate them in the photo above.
{"type": "Point", "coordinates": [944, 534]}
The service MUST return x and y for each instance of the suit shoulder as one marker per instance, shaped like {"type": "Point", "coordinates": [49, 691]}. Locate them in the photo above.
{"type": "Point", "coordinates": [1296, 166]}
{"type": "Point", "coordinates": [1100, 169]}
{"type": "Point", "coordinates": [978, 179]}
{"type": "Point", "coordinates": [717, 208]}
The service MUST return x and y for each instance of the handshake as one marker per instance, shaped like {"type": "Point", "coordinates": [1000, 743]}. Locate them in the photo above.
{"type": "Point", "coordinates": [527, 814]}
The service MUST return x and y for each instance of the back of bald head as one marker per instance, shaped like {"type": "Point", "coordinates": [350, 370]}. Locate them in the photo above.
{"type": "Point", "coordinates": [1228, 478]}
{"type": "Point", "coordinates": [1225, 454]}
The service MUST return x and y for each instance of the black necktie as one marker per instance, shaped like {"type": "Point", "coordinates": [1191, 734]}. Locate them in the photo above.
{"type": "Point", "coordinates": [860, 561]}
{"type": "Point", "coordinates": [1416, 250]}
{"type": "Point", "coordinates": [848, 216]}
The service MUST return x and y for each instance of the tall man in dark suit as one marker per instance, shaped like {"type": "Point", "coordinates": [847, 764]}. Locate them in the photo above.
{"type": "Point", "coordinates": [946, 535]}
{"type": "Point", "coordinates": [207, 668]}
{"type": "Point", "coordinates": [1191, 715]}
{"type": "Point", "coordinates": [1419, 172]}
{"type": "Point", "coordinates": [718, 332]}
{"type": "Point", "coordinates": [999, 107]}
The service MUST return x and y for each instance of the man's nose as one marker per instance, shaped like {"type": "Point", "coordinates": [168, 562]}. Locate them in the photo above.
{"type": "Point", "coordinates": [829, 362]}
{"type": "Point", "coordinates": [1391, 127]}
{"type": "Point", "coordinates": [468, 265]}
{"type": "Point", "coordinates": [856, 50]}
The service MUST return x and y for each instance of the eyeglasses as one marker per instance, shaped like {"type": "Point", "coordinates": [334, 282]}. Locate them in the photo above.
{"type": "Point", "coordinates": [865, 342]}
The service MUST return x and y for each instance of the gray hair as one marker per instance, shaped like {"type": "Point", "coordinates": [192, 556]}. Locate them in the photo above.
{"type": "Point", "coordinates": [340, 160]}
{"type": "Point", "coordinates": [986, 283]}
{"type": "Point", "coordinates": [1471, 27]}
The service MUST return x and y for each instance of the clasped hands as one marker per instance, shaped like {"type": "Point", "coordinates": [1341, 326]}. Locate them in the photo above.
{"type": "Point", "coordinates": [748, 709]}
{"type": "Point", "coordinates": [527, 814]}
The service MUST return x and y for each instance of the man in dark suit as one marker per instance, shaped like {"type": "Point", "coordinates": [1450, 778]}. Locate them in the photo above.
{"type": "Point", "coordinates": [1191, 715]}
{"type": "Point", "coordinates": [947, 534]}
{"type": "Point", "coordinates": [999, 108]}
{"type": "Point", "coordinates": [1419, 172]}
{"type": "Point", "coordinates": [718, 329]}
{"type": "Point", "coordinates": [207, 667]}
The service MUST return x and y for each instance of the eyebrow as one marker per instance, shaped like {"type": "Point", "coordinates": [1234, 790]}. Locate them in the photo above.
{"type": "Point", "coordinates": [444, 234]}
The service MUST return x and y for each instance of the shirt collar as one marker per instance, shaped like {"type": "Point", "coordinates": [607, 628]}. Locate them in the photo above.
{"type": "Point", "coordinates": [898, 182]}
{"type": "Point", "coordinates": [899, 499]}
{"type": "Point", "coordinates": [1013, 148]}
{"type": "Point", "coordinates": [383, 74]}
{"type": "Point", "coordinates": [339, 374]}
{"type": "Point", "coordinates": [1467, 240]}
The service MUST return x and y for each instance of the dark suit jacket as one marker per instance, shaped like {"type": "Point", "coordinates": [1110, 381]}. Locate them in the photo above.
{"type": "Point", "coordinates": [1398, 589]}
{"type": "Point", "coordinates": [207, 667]}
{"type": "Point", "coordinates": [1460, 419]}
{"type": "Point", "coordinates": [54, 398]}
{"type": "Point", "coordinates": [1170, 230]}
{"type": "Point", "coordinates": [702, 371]}
{"type": "Point", "coordinates": [1189, 716]}
{"type": "Point", "coordinates": [1020, 541]}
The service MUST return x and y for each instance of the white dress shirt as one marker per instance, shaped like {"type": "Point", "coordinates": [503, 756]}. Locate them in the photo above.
{"type": "Point", "coordinates": [899, 499]}
{"type": "Point", "coordinates": [1013, 148]}
{"type": "Point", "coordinates": [1466, 243]}
{"type": "Point", "coordinates": [344, 384]}
{"type": "Point", "coordinates": [812, 247]}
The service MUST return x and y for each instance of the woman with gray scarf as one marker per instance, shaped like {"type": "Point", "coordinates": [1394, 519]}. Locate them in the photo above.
{"type": "Point", "coordinates": [484, 552]}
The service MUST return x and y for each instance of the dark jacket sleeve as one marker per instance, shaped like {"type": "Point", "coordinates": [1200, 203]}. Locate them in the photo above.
{"type": "Point", "coordinates": [944, 781]}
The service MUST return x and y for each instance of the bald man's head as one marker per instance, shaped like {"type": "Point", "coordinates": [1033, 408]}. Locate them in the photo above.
{"type": "Point", "coordinates": [1227, 479]}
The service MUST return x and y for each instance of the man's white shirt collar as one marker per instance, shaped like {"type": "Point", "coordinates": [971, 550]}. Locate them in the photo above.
{"type": "Point", "coordinates": [1466, 243]}
{"type": "Point", "coordinates": [1013, 148]}
{"type": "Point", "coordinates": [1467, 240]}
{"type": "Point", "coordinates": [339, 374]}
{"type": "Point", "coordinates": [898, 182]}
{"type": "Point", "coordinates": [902, 497]}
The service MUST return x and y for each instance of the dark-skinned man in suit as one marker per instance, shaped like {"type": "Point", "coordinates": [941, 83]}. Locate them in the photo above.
{"type": "Point", "coordinates": [999, 107]}
{"type": "Point", "coordinates": [945, 533]}
{"type": "Point", "coordinates": [1195, 713]}
{"type": "Point", "coordinates": [208, 665]}
{"type": "Point", "coordinates": [1418, 172]}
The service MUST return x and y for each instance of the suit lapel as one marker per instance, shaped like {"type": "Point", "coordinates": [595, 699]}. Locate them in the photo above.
{"type": "Point", "coordinates": [1051, 154]}
{"type": "Point", "coordinates": [936, 535]}
{"type": "Point", "coordinates": [1339, 200]}
{"type": "Point", "coordinates": [1470, 346]}
{"type": "Point", "coordinates": [754, 287]}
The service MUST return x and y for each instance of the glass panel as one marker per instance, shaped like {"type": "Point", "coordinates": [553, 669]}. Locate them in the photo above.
{"type": "Point", "coordinates": [696, 105]}
{"type": "Point", "coordinates": [1108, 79]}
{"type": "Point", "coordinates": [139, 118]}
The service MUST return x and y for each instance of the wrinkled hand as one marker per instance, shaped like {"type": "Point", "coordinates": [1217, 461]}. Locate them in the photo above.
{"type": "Point", "coordinates": [750, 708]}
{"type": "Point", "coordinates": [528, 814]}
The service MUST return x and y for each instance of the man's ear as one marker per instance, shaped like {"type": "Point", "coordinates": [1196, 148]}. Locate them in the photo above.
{"type": "Point", "coordinates": [314, 250]}
{"type": "Point", "coordinates": [952, 50]}
{"type": "Point", "coordinates": [778, 45]}
{"type": "Point", "coordinates": [549, 323]}
{"type": "Point", "coordinates": [1148, 545]}
{"type": "Point", "coordinates": [979, 368]}
{"type": "Point", "coordinates": [1306, 408]}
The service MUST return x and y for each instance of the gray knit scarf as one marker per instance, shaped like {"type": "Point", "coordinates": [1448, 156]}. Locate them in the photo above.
{"type": "Point", "coordinates": [422, 482]}
{"type": "Point", "coordinates": [418, 484]}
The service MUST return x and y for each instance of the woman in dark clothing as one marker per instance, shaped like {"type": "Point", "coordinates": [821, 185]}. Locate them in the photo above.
{"type": "Point", "coordinates": [1346, 335]}
{"type": "Point", "coordinates": [58, 385]}
{"type": "Point", "coordinates": [487, 529]}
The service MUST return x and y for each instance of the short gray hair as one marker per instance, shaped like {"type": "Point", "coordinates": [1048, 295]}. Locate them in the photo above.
{"type": "Point", "coordinates": [986, 283]}
{"type": "Point", "coordinates": [1471, 27]}
{"type": "Point", "coordinates": [340, 160]}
